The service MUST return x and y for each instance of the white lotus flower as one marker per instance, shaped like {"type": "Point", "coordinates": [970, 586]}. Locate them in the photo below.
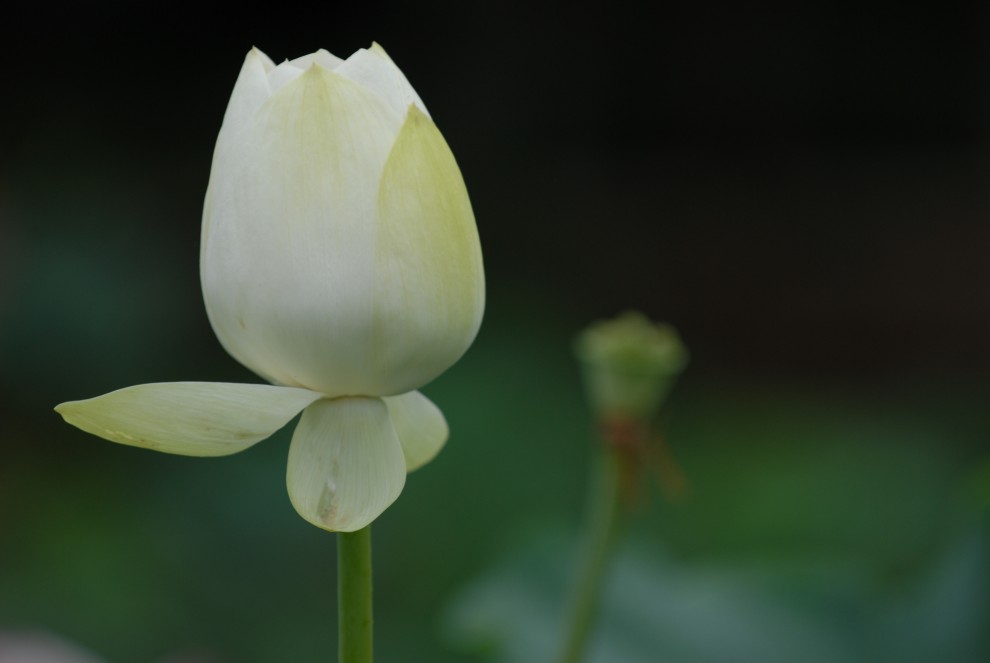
{"type": "Point", "coordinates": [340, 261]}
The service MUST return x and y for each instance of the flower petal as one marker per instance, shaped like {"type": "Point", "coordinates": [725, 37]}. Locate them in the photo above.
{"type": "Point", "coordinates": [250, 91]}
{"type": "Point", "coordinates": [288, 244]}
{"type": "Point", "coordinates": [189, 418]}
{"type": "Point", "coordinates": [374, 70]}
{"type": "Point", "coordinates": [429, 280]}
{"type": "Point", "coordinates": [345, 463]}
{"type": "Point", "coordinates": [420, 425]}
{"type": "Point", "coordinates": [322, 57]}
{"type": "Point", "coordinates": [282, 75]}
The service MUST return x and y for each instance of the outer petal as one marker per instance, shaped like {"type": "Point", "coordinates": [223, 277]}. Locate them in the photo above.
{"type": "Point", "coordinates": [282, 75]}
{"type": "Point", "coordinates": [429, 288]}
{"type": "Point", "coordinates": [288, 245]}
{"type": "Point", "coordinates": [420, 425]}
{"type": "Point", "coordinates": [322, 57]}
{"type": "Point", "coordinates": [250, 92]}
{"type": "Point", "coordinates": [374, 70]}
{"type": "Point", "coordinates": [345, 463]}
{"type": "Point", "coordinates": [189, 418]}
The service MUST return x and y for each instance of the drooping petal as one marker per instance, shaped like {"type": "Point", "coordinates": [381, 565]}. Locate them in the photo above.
{"type": "Point", "coordinates": [345, 463]}
{"type": "Point", "coordinates": [189, 418]}
{"type": "Point", "coordinates": [374, 70]}
{"type": "Point", "coordinates": [429, 289]}
{"type": "Point", "coordinates": [288, 243]}
{"type": "Point", "coordinates": [420, 425]}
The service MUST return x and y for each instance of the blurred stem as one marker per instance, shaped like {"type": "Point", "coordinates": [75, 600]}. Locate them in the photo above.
{"type": "Point", "coordinates": [604, 523]}
{"type": "Point", "coordinates": [354, 596]}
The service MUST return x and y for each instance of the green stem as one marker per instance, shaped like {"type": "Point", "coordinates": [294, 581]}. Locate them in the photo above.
{"type": "Point", "coordinates": [604, 524]}
{"type": "Point", "coordinates": [354, 596]}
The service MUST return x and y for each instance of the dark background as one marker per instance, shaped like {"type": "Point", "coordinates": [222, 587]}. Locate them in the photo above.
{"type": "Point", "coordinates": [802, 190]}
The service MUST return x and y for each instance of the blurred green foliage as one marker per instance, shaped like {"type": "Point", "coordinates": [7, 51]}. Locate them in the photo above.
{"type": "Point", "coordinates": [802, 195]}
{"type": "Point", "coordinates": [839, 522]}
{"type": "Point", "coordinates": [813, 533]}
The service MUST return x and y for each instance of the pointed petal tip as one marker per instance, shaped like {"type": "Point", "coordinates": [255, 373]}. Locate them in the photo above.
{"type": "Point", "coordinates": [414, 112]}
{"type": "Point", "coordinates": [67, 410]}
{"type": "Point", "coordinates": [257, 54]}
{"type": "Point", "coordinates": [70, 411]}
{"type": "Point", "coordinates": [188, 418]}
{"type": "Point", "coordinates": [315, 68]}
{"type": "Point", "coordinates": [377, 49]}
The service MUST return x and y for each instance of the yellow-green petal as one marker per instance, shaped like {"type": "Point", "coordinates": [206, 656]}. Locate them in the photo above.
{"type": "Point", "coordinates": [322, 57]}
{"type": "Point", "coordinates": [345, 463]}
{"type": "Point", "coordinates": [429, 286]}
{"type": "Point", "coordinates": [189, 418]}
{"type": "Point", "coordinates": [420, 425]}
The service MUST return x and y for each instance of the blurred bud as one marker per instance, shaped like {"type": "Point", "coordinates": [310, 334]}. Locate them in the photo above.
{"type": "Point", "coordinates": [629, 366]}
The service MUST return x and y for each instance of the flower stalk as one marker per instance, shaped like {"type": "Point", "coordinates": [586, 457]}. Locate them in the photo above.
{"type": "Point", "coordinates": [355, 620]}
{"type": "Point", "coordinates": [629, 366]}
{"type": "Point", "coordinates": [605, 523]}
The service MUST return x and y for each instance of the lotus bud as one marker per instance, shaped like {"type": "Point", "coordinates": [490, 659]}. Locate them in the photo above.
{"type": "Point", "coordinates": [340, 262]}
{"type": "Point", "coordinates": [339, 249]}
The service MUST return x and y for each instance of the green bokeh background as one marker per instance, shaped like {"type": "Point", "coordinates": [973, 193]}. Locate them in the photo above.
{"type": "Point", "coordinates": [803, 193]}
